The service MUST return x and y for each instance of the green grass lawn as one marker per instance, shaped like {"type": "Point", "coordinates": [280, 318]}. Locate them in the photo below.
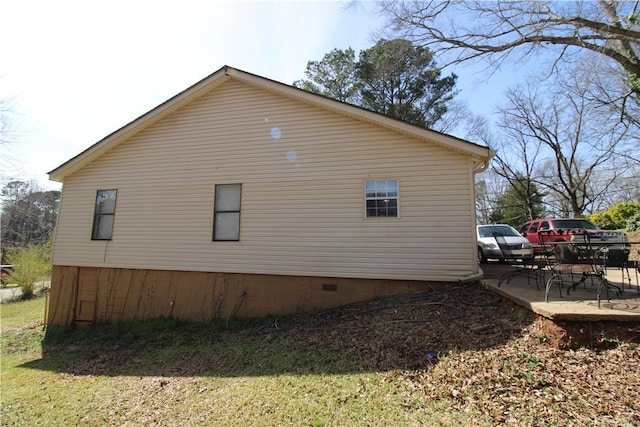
{"type": "Point", "coordinates": [461, 357]}
{"type": "Point", "coordinates": [25, 313]}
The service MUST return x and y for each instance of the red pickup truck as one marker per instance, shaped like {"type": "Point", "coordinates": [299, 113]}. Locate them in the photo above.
{"type": "Point", "coordinates": [562, 230]}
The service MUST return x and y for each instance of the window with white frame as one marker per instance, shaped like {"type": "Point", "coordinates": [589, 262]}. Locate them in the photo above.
{"type": "Point", "coordinates": [381, 198]}
{"type": "Point", "coordinates": [104, 214]}
{"type": "Point", "coordinates": [226, 212]}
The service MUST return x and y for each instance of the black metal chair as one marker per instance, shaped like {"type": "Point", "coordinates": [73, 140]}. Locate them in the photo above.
{"type": "Point", "coordinates": [580, 257]}
{"type": "Point", "coordinates": [523, 267]}
{"type": "Point", "coordinates": [619, 258]}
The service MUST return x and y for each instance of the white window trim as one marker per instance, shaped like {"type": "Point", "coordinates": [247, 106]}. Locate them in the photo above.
{"type": "Point", "coordinates": [397, 198]}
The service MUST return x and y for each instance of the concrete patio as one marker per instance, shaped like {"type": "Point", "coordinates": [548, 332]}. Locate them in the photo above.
{"type": "Point", "coordinates": [581, 304]}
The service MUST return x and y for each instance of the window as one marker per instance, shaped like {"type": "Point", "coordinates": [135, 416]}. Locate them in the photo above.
{"type": "Point", "coordinates": [226, 212]}
{"type": "Point", "coordinates": [381, 198]}
{"type": "Point", "coordinates": [103, 215]}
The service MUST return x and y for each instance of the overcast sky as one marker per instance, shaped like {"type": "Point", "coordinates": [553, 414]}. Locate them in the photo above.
{"type": "Point", "coordinates": [75, 71]}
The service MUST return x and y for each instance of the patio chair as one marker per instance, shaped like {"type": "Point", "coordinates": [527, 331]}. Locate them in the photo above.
{"type": "Point", "coordinates": [525, 267]}
{"type": "Point", "coordinates": [619, 258]}
{"type": "Point", "coordinates": [579, 257]}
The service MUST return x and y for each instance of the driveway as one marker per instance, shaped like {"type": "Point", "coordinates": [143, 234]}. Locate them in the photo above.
{"type": "Point", "coordinates": [10, 294]}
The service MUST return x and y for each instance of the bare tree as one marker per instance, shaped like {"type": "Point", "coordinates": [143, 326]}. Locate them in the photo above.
{"type": "Point", "coordinates": [28, 213]}
{"type": "Point", "coordinates": [576, 141]}
{"type": "Point", "coordinates": [565, 140]}
{"type": "Point", "coordinates": [460, 121]}
{"type": "Point", "coordinates": [7, 130]}
{"type": "Point", "coordinates": [467, 29]}
{"type": "Point", "coordinates": [518, 158]}
{"type": "Point", "coordinates": [610, 89]}
{"type": "Point", "coordinates": [488, 187]}
{"type": "Point", "coordinates": [9, 138]}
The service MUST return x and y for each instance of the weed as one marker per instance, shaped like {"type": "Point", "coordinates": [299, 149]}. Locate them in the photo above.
{"type": "Point", "coordinates": [606, 341]}
{"type": "Point", "coordinates": [531, 360]}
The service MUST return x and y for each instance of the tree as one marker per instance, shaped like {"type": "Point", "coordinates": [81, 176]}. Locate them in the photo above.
{"type": "Point", "coordinates": [621, 215]}
{"type": "Point", "coordinates": [602, 35]}
{"type": "Point", "coordinates": [334, 76]}
{"type": "Point", "coordinates": [565, 139]}
{"type": "Point", "coordinates": [9, 135]}
{"type": "Point", "coordinates": [488, 186]}
{"type": "Point", "coordinates": [393, 78]}
{"type": "Point", "coordinates": [521, 202]}
{"type": "Point", "coordinates": [401, 81]}
{"type": "Point", "coordinates": [28, 215]}
{"type": "Point", "coordinates": [518, 158]}
{"type": "Point", "coordinates": [596, 125]}
{"type": "Point", "coordinates": [6, 125]}
{"type": "Point", "coordinates": [495, 29]}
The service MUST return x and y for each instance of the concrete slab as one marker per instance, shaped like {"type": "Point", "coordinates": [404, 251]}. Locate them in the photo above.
{"type": "Point", "coordinates": [581, 304]}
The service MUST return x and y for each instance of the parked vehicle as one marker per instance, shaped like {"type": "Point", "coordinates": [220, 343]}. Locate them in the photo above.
{"type": "Point", "coordinates": [501, 242]}
{"type": "Point", "coordinates": [561, 230]}
{"type": "Point", "coordinates": [542, 233]}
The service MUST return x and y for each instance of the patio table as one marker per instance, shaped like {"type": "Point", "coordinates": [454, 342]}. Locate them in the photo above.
{"type": "Point", "coordinates": [590, 258]}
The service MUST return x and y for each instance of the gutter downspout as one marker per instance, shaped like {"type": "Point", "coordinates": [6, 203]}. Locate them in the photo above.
{"type": "Point", "coordinates": [480, 167]}
{"type": "Point", "coordinates": [478, 275]}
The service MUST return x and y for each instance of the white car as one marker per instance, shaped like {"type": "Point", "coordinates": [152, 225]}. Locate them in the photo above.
{"type": "Point", "coordinates": [501, 242]}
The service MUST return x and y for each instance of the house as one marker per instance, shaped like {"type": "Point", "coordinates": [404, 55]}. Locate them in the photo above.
{"type": "Point", "coordinates": [242, 196]}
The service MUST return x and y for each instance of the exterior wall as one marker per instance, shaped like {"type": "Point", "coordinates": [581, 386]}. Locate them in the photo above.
{"type": "Point", "coordinates": [302, 196]}
{"type": "Point", "coordinates": [85, 295]}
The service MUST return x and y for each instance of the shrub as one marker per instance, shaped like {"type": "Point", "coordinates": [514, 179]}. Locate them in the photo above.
{"type": "Point", "coordinates": [621, 212]}
{"type": "Point", "coordinates": [31, 265]}
{"type": "Point", "coordinates": [617, 217]}
{"type": "Point", "coordinates": [633, 223]}
{"type": "Point", "coordinates": [603, 220]}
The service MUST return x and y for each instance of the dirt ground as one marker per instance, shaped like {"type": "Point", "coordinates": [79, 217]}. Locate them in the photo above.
{"type": "Point", "coordinates": [485, 354]}
{"type": "Point", "coordinates": [492, 356]}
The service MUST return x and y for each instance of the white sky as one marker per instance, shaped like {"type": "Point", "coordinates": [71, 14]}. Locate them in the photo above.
{"type": "Point", "coordinates": [76, 71]}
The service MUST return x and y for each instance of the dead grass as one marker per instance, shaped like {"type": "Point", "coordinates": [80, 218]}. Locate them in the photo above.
{"type": "Point", "coordinates": [461, 357]}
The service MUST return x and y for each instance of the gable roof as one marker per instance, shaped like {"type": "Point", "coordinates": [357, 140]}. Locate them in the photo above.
{"type": "Point", "coordinates": [480, 154]}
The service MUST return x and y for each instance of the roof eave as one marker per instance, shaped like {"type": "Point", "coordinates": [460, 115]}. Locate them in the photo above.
{"type": "Point", "coordinates": [481, 154]}
{"type": "Point", "coordinates": [362, 114]}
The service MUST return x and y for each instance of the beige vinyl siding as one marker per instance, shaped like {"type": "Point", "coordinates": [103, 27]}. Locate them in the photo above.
{"type": "Point", "coordinates": [299, 217]}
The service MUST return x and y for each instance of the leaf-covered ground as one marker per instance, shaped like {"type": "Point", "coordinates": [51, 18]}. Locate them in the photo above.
{"type": "Point", "coordinates": [460, 356]}
{"type": "Point", "coordinates": [486, 356]}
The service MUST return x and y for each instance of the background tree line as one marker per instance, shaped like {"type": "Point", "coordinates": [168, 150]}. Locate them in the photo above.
{"type": "Point", "coordinates": [27, 222]}
{"type": "Point", "coordinates": [28, 214]}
